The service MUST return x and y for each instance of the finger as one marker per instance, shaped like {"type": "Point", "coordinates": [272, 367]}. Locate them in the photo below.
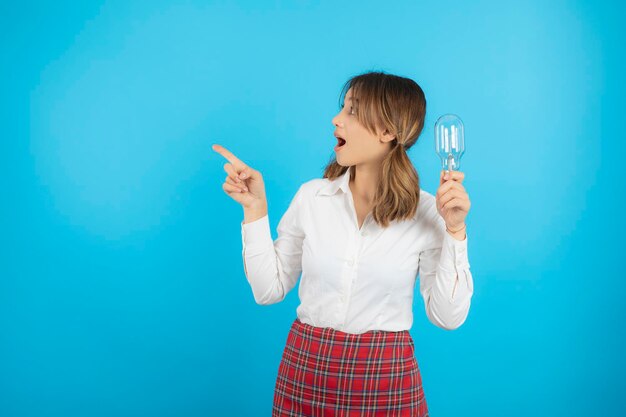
{"type": "Point", "coordinates": [247, 173]}
{"type": "Point", "coordinates": [455, 175]}
{"type": "Point", "coordinates": [452, 192]}
{"type": "Point", "coordinates": [451, 195]}
{"type": "Point", "coordinates": [237, 163]}
{"type": "Point", "coordinates": [456, 203]}
{"type": "Point", "coordinates": [232, 173]}
{"type": "Point", "coordinates": [452, 175]}
{"type": "Point", "coordinates": [449, 185]}
{"type": "Point", "coordinates": [241, 186]}
{"type": "Point", "coordinates": [232, 188]}
{"type": "Point", "coordinates": [236, 195]}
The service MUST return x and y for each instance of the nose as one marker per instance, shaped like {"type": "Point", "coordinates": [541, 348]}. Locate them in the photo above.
{"type": "Point", "coordinates": [335, 121]}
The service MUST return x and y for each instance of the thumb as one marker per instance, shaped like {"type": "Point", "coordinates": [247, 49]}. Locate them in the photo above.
{"type": "Point", "coordinates": [246, 173]}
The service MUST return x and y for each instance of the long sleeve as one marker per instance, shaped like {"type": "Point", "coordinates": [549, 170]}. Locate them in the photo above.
{"type": "Point", "coordinates": [446, 282]}
{"type": "Point", "coordinates": [273, 267]}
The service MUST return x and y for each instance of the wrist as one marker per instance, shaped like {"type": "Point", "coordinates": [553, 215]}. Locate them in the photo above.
{"type": "Point", "coordinates": [254, 212]}
{"type": "Point", "coordinates": [457, 232]}
{"type": "Point", "coordinates": [456, 228]}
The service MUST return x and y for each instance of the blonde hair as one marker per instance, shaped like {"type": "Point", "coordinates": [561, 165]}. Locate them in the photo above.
{"type": "Point", "coordinates": [398, 105]}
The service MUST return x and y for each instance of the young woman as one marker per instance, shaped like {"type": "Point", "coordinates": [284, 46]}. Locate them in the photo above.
{"type": "Point", "coordinates": [359, 236]}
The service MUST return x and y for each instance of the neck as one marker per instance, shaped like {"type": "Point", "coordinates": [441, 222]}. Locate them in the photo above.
{"type": "Point", "coordinates": [365, 181]}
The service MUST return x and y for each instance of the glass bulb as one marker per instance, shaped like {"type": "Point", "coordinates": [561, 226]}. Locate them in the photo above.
{"type": "Point", "coordinates": [449, 141]}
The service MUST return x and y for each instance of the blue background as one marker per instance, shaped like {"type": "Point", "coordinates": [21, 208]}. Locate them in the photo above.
{"type": "Point", "coordinates": [122, 291]}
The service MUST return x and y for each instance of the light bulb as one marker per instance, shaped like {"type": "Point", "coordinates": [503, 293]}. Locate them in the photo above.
{"type": "Point", "coordinates": [449, 141]}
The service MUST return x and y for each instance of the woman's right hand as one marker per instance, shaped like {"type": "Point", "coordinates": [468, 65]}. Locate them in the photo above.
{"type": "Point", "coordinates": [243, 184]}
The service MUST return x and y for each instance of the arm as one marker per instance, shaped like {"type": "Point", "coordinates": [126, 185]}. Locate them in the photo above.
{"type": "Point", "coordinates": [446, 282]}
{"type": "Point", "coordinates": [273, 267]}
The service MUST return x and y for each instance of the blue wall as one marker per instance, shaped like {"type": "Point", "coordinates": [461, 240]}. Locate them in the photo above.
{"type": "Point", "coordinates": [122, 290]}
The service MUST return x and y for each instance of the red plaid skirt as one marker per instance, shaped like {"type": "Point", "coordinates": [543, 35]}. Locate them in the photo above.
{"type": "Point", "coordinates": [326, 372]}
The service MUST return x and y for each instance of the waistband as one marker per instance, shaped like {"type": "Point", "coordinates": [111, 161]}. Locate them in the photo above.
{"type": "Point", "coordinates": [330, 334]}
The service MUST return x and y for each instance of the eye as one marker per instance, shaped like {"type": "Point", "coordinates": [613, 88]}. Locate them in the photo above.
{"type": "Point", "coordinates": [351, 109]}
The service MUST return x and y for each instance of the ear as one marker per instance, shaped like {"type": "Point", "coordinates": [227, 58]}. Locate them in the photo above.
{"type": "Point", "coordinates": [387, 136]}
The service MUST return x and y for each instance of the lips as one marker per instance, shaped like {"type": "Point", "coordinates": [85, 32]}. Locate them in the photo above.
{"type": "Point", "coordinates": [340, 142]}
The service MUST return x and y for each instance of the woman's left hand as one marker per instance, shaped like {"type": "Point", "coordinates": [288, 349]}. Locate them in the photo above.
{"type": "Point", "coordinates": [453, 203]}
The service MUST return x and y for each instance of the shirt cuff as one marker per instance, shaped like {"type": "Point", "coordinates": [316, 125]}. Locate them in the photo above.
{"type": "Point", "coordinates": [454, 253]}
{"type": "Point", "coordinates": [256, 235]}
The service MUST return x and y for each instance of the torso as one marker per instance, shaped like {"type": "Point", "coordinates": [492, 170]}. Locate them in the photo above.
{"type": "Point", "coordinates": [339, 260]}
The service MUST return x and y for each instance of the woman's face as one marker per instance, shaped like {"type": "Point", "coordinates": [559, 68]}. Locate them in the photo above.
{"type": "Point", "coordinates": [360, 145]}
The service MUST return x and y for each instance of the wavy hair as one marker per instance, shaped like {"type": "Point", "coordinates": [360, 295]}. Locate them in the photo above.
{"type": "Point", "coordinates": [398, 105]}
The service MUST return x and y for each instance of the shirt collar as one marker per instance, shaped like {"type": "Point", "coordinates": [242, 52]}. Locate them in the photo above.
{"type": "Point", "coordinates": [342, 182]}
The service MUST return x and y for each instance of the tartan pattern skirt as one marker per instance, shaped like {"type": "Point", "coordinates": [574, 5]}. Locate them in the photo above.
{"type": "Point", "coordinates": [326, 372]}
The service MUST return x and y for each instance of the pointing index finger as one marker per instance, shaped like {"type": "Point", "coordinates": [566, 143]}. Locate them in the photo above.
{"type": "Point", "coordinates": [237, 163]}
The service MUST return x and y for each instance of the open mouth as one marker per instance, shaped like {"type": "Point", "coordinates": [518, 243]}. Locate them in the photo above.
{"type": "Point", "coordinates": [340, 143]}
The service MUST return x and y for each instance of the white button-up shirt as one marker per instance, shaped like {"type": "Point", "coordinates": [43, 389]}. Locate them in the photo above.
{"type": "Point", "coordinates": [355, 280]}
